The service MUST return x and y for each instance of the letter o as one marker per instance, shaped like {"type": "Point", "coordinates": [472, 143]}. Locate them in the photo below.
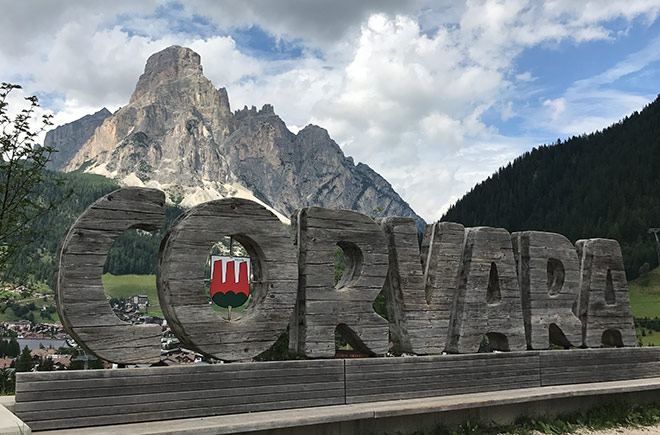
{"type": "Point", "coordinates": [181, 263]}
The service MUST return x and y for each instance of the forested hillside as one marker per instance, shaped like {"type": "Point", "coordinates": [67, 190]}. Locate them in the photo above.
{"type": "Point", "coordinates": [134, 252]}
{"type": "Point", "coordinates": [605, 184]}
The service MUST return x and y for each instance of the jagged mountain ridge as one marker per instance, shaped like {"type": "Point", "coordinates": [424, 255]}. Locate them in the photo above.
{"type": "Point", "coordinates": [69, 138]}
{"type": "Point", "coordinates": [179, 134]}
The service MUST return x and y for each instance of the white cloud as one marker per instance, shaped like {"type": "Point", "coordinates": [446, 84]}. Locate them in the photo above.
{"type": "Point", "coordinates": [557, 107]}
{"type": "Point", "coordinates": [593, 103]}
{"type": "Point", "coordinates": [404, 86]}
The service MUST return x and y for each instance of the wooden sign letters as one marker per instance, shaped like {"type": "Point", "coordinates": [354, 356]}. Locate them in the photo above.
{"type": "Point", "coordinates": [526, 290]}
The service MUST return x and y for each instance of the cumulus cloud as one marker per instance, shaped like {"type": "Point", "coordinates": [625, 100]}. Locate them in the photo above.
{"type": "Point", "coordinates": [409, 87]}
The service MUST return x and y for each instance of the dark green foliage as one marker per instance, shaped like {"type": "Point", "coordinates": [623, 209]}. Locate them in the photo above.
{"type": "Point", "coordinates": [650, 324]}
{"type": "Point", "coordinates": [78, 357]}
{"type": "Point", "coordinates": [278, 351]}
{"type": "Point", "coordinates": [22, 164]}
{"type": "Point", "coordinates": [36, 261]}
{"type": "Point", "coordinates": [24, 363]}
{"type": "Point", "coordinates": [7, 382]}
{"type": "Point", "coordinates": [605, 184]}
{"type": "Point", "coordinates": [135, 252]}
{"type": "Point", "coordinates": [340, 264]}
{"type": "Point", "coordinates": [45, 365]}
{"type": "Point", "coordinates": [9, 349]}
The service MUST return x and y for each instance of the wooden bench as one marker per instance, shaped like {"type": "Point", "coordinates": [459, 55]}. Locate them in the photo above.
{"type": "Point", "coordinates": [376, 379]}
{"type": "Point", "coordinates": [50, 400]}
{"type": "Point", "coordinates": [68, 399]}
{"type": "Point", "coordinates": [564, 367]}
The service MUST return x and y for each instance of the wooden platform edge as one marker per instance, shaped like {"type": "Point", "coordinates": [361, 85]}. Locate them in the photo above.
{"type": "Point", "coordinates": [268, 420]}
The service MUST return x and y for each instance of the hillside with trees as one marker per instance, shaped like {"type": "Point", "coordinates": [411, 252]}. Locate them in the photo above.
{"type": "Point", "coordinates": [134, 252]}
{"type": "Point", "coordinates": [604, 184]}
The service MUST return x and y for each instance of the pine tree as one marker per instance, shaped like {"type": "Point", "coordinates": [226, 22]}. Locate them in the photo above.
{"type": "Point", "coordinates": [24, 362]}
{"type": "Point", "coordinates": [13, 349]}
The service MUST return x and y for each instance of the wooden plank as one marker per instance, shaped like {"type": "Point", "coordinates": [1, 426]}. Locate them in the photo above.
{"type": "Point", "coordinates": [180, 413]}
{"type": "Point", "coordinates": [427, 371]}
{"type": "Point", "coordinates": [204, 369]}
{"type": "Point", "coordinates": [37, 395]}
{"type": "Point", "coordinates": [219, 395]}
{"type": "Point", "coordinates": [25, 383]}
{"type": "Point", "coordinates": [582, 356]}
{"type": "Point", "coordinates": [422, 381]}
{"type": "Point", "coordinates": [482, 387]}
{"type": "Point", "coordinates": [148, 407]}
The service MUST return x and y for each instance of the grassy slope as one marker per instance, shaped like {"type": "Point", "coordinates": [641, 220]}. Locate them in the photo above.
{"type": "Point", "coordinates": [125, 286]}
{"type": "Point", "coordinates": [8, 315]}
{"type": "Point", "coordinates": [645, 302]}
{"type": "Point", "coordinates": [645, 295]}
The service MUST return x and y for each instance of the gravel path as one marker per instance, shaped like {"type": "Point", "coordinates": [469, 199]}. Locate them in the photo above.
{"type": "Point", "coordinates": [624, 431]}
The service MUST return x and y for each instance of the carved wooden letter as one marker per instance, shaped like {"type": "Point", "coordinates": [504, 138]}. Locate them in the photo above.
{"type": "Point", "coordinates": [420, 294]}
{"type": "Point", "coordinates": [548, 270]}
{"type": "Point", "coordinates": [181, 262]}
{"type": "Point", "coordinates": [81, 301]}
{"type": "Point", "coordinates": [488, 298]}
{"type": "Point", "coordinates": [604, 300]}
{"type": "Point", "coordinates": [321, 307]}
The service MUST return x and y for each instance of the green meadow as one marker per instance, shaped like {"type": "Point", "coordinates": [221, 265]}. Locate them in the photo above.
{"type": "Point", "coordinates": [125, 286]}
{"type": "Point", "coordinates": [645, 294]}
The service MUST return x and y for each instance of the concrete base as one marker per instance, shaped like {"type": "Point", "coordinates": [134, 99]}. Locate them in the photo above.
{"type": "Point", "coordinates": [9, 423]}
{"type": "Point", "coordinates": [401, 415]}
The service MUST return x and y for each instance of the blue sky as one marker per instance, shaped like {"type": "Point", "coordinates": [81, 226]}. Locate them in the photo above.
{"type": "Point", "coordinates": [434, 95]}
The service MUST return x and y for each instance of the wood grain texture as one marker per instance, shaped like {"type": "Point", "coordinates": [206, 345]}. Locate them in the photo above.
{"type": "Point", "coordinates": [549, 275]}
{"type": "Point", "coordinates": [81, 302]}
{"type": "Point", "coordinates": [377, 379]}
{"type": "Point", "coordinates": [183, 256]}
{"type": "Point", "coordinates": [604, 305]}
{"type": "Point", "coordinates": [321, 307]}
{"type": "Point", "coordinates": [421, 285]}
{"type": "Point", "coordinates": [598, 365]}
{"type": "Point", "coordinates": [488, 300]}
{"type": "Point", "coordinates": [50, 400]}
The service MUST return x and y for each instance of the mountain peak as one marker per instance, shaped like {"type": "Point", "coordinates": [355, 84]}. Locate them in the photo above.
{"type": "Point", "coordinates": [178, 134]}
{"type": "Point", "coordinates": [172, 63]}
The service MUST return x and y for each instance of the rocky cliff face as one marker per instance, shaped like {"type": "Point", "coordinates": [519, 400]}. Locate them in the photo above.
{"type": "Point", "coordinates": [68, 138]}
{"type": "Point", "coordinates": [179, 134]}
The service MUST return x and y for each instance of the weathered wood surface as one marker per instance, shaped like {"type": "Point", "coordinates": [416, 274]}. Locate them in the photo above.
{"type": "Point", "coordinates": [321, 307]}
{"type": "Point", "coordinates": [81, 302]}
{"type": "Point", "coordinates": [376, 379]}
{"type": "Point", "coordinates": [86, 398]}
{"type": "Point", "coordinates": [183, 256]}
{"type": "Point", "coordinates": [488, 300]}
{"type": "Point", "coordinates": [51, 400]}
{"type": "Point", "coordinates": [604, 306]}
{"type": "Point", "coordinates": [549, 275]}
{"type": "Point", "coordinates": [598, 365]}
{"type": "Point", "coordinates": [421, 285]}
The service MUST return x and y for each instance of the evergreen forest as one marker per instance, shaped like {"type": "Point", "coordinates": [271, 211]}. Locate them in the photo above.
{"type": "Point", "coordinates": [134, 252]}
{"type": "Point", "coordinates": [604, 184]}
